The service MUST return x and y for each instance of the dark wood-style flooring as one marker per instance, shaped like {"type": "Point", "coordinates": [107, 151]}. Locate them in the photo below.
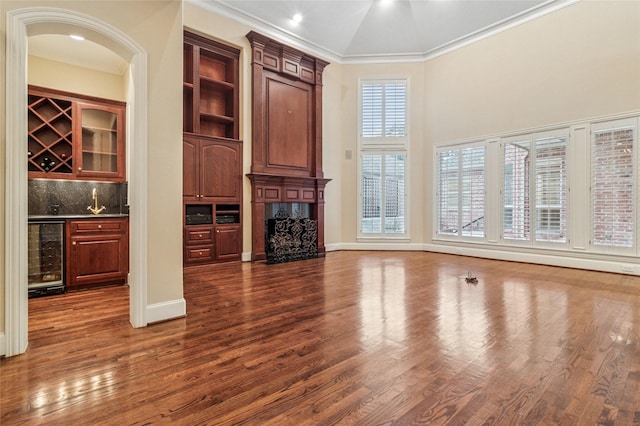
{"type": "Point", "coordinates": [365, 338]}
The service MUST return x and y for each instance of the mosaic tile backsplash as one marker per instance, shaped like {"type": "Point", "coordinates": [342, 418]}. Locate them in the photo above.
{"type": "Point", "coordinates": [62, 197]}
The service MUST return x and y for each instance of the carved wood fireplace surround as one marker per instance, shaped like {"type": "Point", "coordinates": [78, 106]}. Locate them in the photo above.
{"type": "Point", "coordinates": [286, 162]}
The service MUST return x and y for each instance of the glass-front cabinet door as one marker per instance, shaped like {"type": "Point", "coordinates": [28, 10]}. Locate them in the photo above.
{"type": "Point", "coordinates": [100, 150]}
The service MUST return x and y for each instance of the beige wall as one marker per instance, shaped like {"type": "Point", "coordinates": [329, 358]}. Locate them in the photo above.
{"type": "Point", "coordinates": [75, 79]}
{"type": "Point", "coordinates": [579, 62]}
{"type": "Point", "coordinates": [156, 26]}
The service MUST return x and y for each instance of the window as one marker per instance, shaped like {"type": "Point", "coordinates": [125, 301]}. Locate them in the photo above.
{"type": "Point", "coordinates": [383, 194]}
{"type": "Point", "coordinates": [535, 188]}
{"type": "Point", "coordinates": [383, 158]}
{"type": "Point", "coordinates": [461, 191]}
{"type": "Point", "coordinates": [613, 186]}
{"type": "Point", "coordinates": [383, 112]}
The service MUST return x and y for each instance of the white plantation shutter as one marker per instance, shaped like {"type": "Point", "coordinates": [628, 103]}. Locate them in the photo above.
{"type": "Point", "coordinates": [448, 184]}
{"type": "Point", "coordinates": [371, 172]}
{"type": "Point", "coordinates": [383, 109]}
{"type": "Point", "coordinates": [613, 187]}
{"type": "Point", "coordinates": [383, 204]}
{"type": "Point", "coordinates": [516, 193]}
{"type": "Point", "coordinates": [461, 193]}
{"type": "Point", "coordinates": [394, 194]}
{"type": "Point", "coordinates": [372, 110]}
{"type": "Point", "coordinates": [551, 191]}
{"type": "Point", "coordinates": [472, 191]}
{"type": "Point", "coordinates": [534, 191]}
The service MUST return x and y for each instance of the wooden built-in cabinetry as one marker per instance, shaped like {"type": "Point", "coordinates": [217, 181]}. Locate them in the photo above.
{"type": "Point", "coordinates": [212, 152]}
{"type": "Point", "coordinates": [76, 137]}
{"type": "Point", "coordinates": [286, 163]}
{"type": "Point", "coordinates": [97, 252]}
{"type": "Point", "coordinates": [212, 169]}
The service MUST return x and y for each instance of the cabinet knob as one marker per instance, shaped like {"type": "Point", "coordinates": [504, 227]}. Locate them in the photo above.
{"type": "Point", "coordinates": [217, 231]}
{"type": "Point", "coordinates": [199, 235]}
{"type": "Point", "coordinates": [73, 243]}
{"type": "Point", "coordinates": [99, 226]}
{"type": "Point", "coordinates": [79, 169]}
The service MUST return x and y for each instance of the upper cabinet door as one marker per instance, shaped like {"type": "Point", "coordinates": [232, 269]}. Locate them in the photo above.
{"type": "Point", "coordinates": [75, 137]}
{"type": "Point", "coordinates": [99, 147]}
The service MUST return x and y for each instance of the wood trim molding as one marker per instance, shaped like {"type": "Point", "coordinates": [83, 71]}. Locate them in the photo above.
{"type": "Point", "coordinates": [15, 240]}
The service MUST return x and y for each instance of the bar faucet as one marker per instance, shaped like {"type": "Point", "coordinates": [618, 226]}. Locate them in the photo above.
{"type": "Point", "coordinates": [95, 209]}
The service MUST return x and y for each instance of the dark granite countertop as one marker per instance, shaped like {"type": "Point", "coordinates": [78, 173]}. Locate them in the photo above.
{"type": "Point", "coordinates": [76, 216]}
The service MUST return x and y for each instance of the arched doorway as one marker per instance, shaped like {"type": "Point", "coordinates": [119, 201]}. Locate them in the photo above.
{"type": "Point", "coordinates": [31, 21]}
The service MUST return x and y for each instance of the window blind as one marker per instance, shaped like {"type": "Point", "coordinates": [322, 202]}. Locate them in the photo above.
{"type": "Point", "coordinates": [448, 183]}
{"type": "Point", "coordinates": [516, 193]}
{"type": "Point", "coordinates": [461, 191]}
{"type": "Point", "coordinates": [371, 172]}
{"type": "Point", "coordinates": [613, 188]}
{"type": "Point", "coordinates": [383, 110]}
{"type": "Point", "coordinates": [383, 194]}
{"type": "Point", "coordinates": [551, 193]}
{"type": "Point", "coordinates": [394, 194]}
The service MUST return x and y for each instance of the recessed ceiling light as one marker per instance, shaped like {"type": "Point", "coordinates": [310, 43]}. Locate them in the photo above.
{"type": "Point", "coordinates": [76, 37]}
{"type": "Point", "coordinates": [297, 18]}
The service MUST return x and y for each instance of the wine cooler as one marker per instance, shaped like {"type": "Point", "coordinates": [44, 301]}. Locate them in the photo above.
{"type": "Point", "coordinates": [46, 258]}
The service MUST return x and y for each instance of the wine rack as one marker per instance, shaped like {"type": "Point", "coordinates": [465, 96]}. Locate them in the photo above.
{"type": "Point", "coordinates": [50, 137]}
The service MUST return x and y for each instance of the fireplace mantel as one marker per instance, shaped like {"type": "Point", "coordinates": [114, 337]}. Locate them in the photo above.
{"type": "Point", "coordinates": [286, 158]}
{"type": "Point", "coordinates": [268, 188]}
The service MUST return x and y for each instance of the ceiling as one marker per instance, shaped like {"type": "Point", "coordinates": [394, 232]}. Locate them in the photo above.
{"type": "Point", "coordinates": [346, 31]}
{"type": "Point", "coordinates": [85, 53]}
{"type": "Point", "coordinates": [350, 31]}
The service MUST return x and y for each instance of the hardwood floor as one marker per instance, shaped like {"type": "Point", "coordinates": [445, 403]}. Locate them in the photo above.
{"type": "Point", "coordinates": [355, 338]}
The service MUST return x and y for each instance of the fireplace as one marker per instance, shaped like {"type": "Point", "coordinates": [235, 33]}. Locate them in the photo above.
{"type": "Point", "coordinates": [286, 156]}
{"type": "Point", "coordinates": [290, 233]}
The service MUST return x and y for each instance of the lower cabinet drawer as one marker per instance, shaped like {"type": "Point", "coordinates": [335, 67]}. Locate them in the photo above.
{"type": "Point", "coordinates": [198, 254]}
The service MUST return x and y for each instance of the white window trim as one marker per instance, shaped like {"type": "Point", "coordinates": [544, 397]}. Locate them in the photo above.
{"type": "Point", "coordinates": [384, 142]}
{"type": "Point", "coordinates": [531, 137]}
{"type": "Point", "coordinates": [383, 235]}
{"type": "Point", "coordinates": [399, 145]}
{"type": "Point", "coordinates": [622, 123]}
{"type": "Point", "coordinates": [436, 191]}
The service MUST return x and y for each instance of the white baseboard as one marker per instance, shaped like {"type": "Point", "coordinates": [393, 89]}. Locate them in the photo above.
{"type": "Point", "coordinates": [386, 245]}
{"type": "Point", "coordinates": [333, 247]}
{"type": "Point", "coordinates": [3, 348]}
{"type": "Point", "coordinates": [566, 260]}
{"type": "Point", "coordinates": [166, 310]}
{"type": "Point", "coordinates": [246, 256]}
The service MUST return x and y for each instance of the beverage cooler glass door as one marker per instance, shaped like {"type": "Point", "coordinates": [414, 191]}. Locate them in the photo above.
{"type": "Point", "coordinates": [46, 258]}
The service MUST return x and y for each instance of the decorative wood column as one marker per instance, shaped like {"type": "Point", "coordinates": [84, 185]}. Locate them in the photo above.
{"type": "Point", "coordinates": [286, 133]}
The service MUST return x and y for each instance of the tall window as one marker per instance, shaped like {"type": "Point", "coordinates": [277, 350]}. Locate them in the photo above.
{"type": "Point", "coordinates": [383, 112]}
{"type": "Point", "coordinates": [535, 188]}
{"type": "Point", "coordinates": [461, 191]}
{"type": "Point", "coordinates": [383, 194]}
{"type": "Point", "coordinates": [383, 158]}
{"type": "Point", "coordinates": [613, 186]}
